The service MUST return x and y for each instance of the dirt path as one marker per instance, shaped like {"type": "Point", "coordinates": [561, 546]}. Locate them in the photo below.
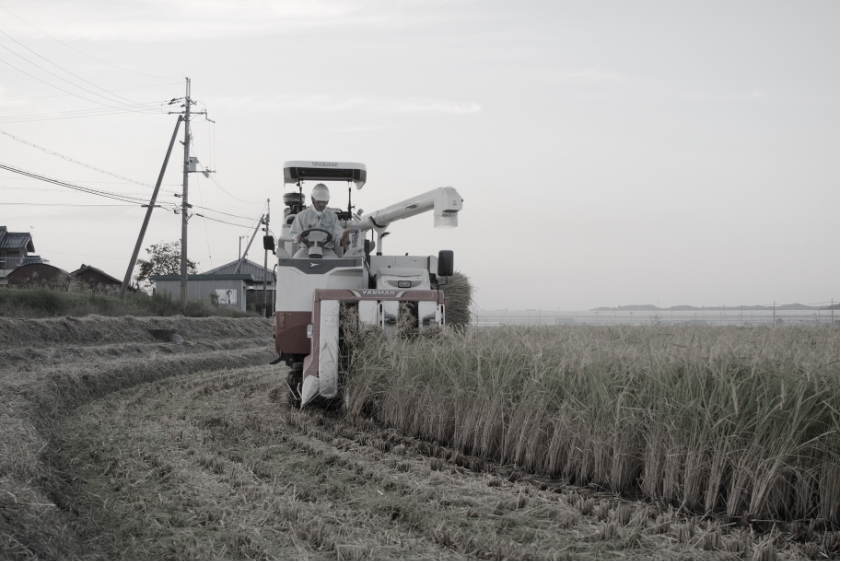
{"type": "Point", "coordinates": [129, 447]}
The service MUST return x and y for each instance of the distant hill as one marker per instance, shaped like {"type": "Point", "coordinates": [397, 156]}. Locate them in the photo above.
{"type": "Point", "coordinates": [686, 307]}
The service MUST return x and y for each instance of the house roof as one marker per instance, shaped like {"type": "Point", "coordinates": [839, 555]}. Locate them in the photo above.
{"type": "Point", "coordinates": [33, 259]}
{"type": "Point", "coordinates": [248, 267]}
{"type": "Point", "coordinates": [15, 240]}
{"type": "Point", "coordinates": [86, 268]}
{"type": "Point", "coordinates": [46, 271]}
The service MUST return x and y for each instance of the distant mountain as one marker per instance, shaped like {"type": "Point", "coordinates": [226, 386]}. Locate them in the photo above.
{"type": "Point", "coordinates": [686, 307]}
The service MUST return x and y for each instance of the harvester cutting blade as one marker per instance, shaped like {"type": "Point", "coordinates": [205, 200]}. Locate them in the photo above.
{"type": "Point", "coordinates": [309, 390]}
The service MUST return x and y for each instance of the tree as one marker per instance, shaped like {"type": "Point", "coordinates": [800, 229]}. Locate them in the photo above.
{"type": "Point", "coordinates": [164, 259]}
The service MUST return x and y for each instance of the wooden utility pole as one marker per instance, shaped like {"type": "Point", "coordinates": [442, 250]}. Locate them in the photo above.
{"type": "Point", "coordinates": [266, 257]}
{"type": "Point", "coordinates": [185, 206]}
{"type": "Point", "coordinates": [149, 208]}
{"type": "Point", "coordinates": [263, 219]}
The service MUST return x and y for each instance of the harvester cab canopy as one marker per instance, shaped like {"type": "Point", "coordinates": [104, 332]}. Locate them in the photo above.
{"type": "Point", "coordinates": [299, 170]}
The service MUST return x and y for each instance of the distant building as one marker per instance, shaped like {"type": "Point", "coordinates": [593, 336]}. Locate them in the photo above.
{"type": "Point", "coordinates": [32, 274]}
{"type": "Point", "coordinates": [221, 286]}
{"type": "Point", "coordinates": [96, 279]}
{"type": "Point", "coordinates": [15, 250]}
{"type": "Point", "coordinates": [254, 291]}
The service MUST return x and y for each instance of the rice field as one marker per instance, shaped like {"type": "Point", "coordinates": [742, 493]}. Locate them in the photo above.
{"type": "Point", "coordinates": [118, 442]}
{"type": "Point", "coordinates": [741, 423]}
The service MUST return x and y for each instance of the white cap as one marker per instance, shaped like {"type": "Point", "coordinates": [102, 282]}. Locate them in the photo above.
{"type": "Point", "coordinates": [320, 193]}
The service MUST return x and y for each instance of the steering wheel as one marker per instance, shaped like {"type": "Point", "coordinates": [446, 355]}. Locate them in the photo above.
{"type": "Point", "coordinates": [305, 234]}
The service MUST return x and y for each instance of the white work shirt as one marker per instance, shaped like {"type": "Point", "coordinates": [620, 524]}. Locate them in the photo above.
{"type": "Point", "coordinates": [308, 218]}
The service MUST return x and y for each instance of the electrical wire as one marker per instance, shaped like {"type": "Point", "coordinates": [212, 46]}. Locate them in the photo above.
{"type": "Point", "coordinates": [48, 151]}
{"type": "Point", "coordinates": [83, 255]}
{"type": "Point", "coordinates": [259, 221]}
{"type": "Point", "coordinates": [62, 205]}
{"type": "Point", "coordinates": [107, 194]}
{"type": "Point", "coordinates": [161, 199]}
{"type": "Point", "coordinates": [225, 191]}
{"type": "Point", "coordinates": [221, 212]}
{"type": "Point", "coordinates": [206, 236]}
{"type": "Point", "coordinates": [148, 107]}
{"type": "Point", "coordinates": [82, 52]}
{"type": "Point", "coordinates": [221, 221]}
{"type": "Point", "coordinates": [115, 196]}
{"type": "Point", "coordinates": [29, 188]}
{"type": "Point", "coordinates": [99, 112]}
{"type": "Point", "coordinates": [63, 69]}
{"type": "Point", "coordinates": [125, 107]}
{"type": "Point", "coordinates": [117, 90]}
{"type": "Point", "coordinates": [211, 178]}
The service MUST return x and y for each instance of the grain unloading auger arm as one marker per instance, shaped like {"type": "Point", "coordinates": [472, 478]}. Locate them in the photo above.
{"type": "Point", "coordinates": [444, 201]}
{"type": "Point", "coordinates": [311, 292]}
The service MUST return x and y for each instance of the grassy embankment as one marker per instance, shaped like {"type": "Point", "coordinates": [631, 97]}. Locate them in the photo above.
{"type": "Point", "coordinates": [737, 422]}
{"type": "Point", "coordinates": [45, 302]}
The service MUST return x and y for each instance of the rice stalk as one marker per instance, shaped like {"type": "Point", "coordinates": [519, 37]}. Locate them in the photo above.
{"type": "Point", "coordinates": [710, 419]}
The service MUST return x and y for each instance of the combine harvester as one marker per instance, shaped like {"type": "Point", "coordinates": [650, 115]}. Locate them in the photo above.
{"type": "Point", "coordinates": [311, 291]}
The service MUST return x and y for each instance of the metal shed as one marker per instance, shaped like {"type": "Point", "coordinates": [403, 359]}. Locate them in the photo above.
{"type": "Point", "coordinates": [228, 289]}
{"type": "Point", "coordinates": [254, 297]}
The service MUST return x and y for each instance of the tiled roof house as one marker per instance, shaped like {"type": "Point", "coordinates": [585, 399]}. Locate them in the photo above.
{"type": "Point", "coordinates": [15, 249]}
{"type": "Point", "coordinates": [257, 272]}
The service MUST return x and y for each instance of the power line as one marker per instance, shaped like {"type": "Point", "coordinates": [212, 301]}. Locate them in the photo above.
{"type": "Point", "coordinates": [117, 90]}
{"type": "Point", "coordinates": [225, 191]}
{"type": "Point", "coordinates": [206, 236]}
{"type": "Point", "coordinates": [125, 107]}
{"type": "Point", "coordinates": [48, 151]}
{"type": "Point", "coordinates": [112, 195]}
{"type": "Point", "coordinates": [83, 189]}
{"type": "Point", "coordinates": [100, 112]}
{"type": "Point", "coordinates": [82, 255]}
{"type": "Point", "coordinates": [84, 53]}
{"type": "Point", "coordinates": [61, 68]}
{"type": "Point", "coordinates": [221, 212]}
{"type": "Point", "coordinates": [221, 221]}
{"type": "Point", "coordinates": [87, 181]}
{"type": "Point", "coordinates": [62, 205]}
{"type": "Point", "coordinates": [146, 106]}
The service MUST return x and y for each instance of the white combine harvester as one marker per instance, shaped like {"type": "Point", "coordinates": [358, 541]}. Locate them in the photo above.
{"type": "Point", "coordinates": [311, 291]}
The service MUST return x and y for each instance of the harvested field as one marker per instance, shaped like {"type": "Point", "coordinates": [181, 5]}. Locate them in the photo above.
{"type": "Point", "coordinates": [119, 443]}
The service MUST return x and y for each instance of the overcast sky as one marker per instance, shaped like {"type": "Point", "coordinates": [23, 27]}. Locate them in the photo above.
{"type": "Point", "coordinates": [608, 152]}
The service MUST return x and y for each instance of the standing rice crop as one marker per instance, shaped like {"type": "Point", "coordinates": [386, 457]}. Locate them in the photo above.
{"type": "Point", "coordinates": [459, 293]}
{"type": "Point", "coordinates": [737, 421]}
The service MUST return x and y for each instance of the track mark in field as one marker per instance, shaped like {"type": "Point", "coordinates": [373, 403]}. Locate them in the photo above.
{"type": "Point", "coordinates": [207, 466]}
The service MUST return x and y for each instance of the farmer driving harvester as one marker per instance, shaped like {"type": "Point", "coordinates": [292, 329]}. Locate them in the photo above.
{"type": "Point", "coordinates": [321, 220]}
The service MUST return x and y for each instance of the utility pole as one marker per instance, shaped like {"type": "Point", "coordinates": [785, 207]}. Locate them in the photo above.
{"type": "Point", "coordinates": [239, 255]}
{"type": "Point", "coordinates": [149, 208]}
{"type": "Point", "coordinates": [248, 247]}
{"type": "Point", "coordinates": [185, 206]}
{"type": "Point", "coordinates": [266, 258]}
